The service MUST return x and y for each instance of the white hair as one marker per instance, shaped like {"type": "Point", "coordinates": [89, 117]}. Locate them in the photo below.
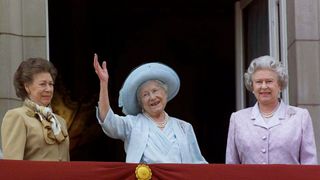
{"type": "Point", "coordinates": [266, 62]}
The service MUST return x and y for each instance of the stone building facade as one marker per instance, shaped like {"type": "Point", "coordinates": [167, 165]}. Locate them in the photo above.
{"type": "Point", "coordinates": [24, 33]}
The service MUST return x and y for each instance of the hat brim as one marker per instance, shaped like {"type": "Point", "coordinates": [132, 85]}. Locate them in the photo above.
{"type": "Point", "coordinates": [150, 71]}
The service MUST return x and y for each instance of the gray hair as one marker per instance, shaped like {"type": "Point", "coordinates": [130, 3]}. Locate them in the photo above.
{"type": "Point", "coordinates": [266, 62]}
{"type": "Point", "coordinates": [159, 83]}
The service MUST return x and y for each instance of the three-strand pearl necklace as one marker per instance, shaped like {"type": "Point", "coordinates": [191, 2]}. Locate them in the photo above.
{"type": "Point", "coordinates": [161, 124]}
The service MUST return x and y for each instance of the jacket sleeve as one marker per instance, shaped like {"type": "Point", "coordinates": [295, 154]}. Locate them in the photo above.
{"type": "Point", "coordinates": [13, 134]}
{"type": "Point", "coordinates": [308, 152]}
{"type": "Point", "coordinates": [232, 156]}
{"type": "Point", "coordinates": [115, 126]}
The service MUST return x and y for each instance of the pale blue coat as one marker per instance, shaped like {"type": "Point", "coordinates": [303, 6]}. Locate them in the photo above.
{"type": "Point", "coordinates": [134, 130]}
{"type": "Point", "coordinates": [286, 139]}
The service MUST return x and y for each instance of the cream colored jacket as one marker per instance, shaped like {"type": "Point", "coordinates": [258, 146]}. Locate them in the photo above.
{"type": "Point", "coordinates": [23, 139]}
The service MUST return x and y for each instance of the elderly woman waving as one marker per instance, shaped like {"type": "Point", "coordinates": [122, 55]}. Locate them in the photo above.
{"type": "Point", "coordinates": [150, 135]}
{"type": "Point", "coordinates": [270, 132]}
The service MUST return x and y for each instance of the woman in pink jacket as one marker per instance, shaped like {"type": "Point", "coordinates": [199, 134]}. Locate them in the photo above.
{"type": "Point", "coordinates": [270, 132]}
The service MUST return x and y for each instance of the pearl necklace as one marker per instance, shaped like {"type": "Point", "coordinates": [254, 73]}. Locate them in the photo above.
{"type": "Point", "coordinates": [161, 124]}
{"type": "Point", "coordinates": [269, 115]}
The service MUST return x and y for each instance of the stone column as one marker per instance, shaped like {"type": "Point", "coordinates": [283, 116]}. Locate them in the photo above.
{"type": "Point", "coordinates": [304, 58]}
{"type": "Point", "coordinates": [23, 34]}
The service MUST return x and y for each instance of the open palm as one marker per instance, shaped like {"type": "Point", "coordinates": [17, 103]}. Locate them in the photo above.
{"type": "Point", "coordinates": [102, 72]}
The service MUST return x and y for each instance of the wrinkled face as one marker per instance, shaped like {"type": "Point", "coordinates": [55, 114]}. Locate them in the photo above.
{"type": "Point", "coordinates": [40, 90]}
{"type": "Point", "coordinates": [153, 98]}
{"type": "Point", "coordinates": [266, 87]}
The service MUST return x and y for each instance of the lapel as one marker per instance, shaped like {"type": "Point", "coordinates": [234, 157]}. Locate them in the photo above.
{"type": "Point", "coordinates": [275, 121]}
{"type": "Point", "coordinates": [185, 156]}
{"type": "Point", "coordinates": [138, 139]}
{"type": "Point", "coordinates": [257, 118]}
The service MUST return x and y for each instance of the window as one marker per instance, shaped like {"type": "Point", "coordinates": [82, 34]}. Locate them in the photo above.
{"type": "Point", "coordinates": [260, 30]}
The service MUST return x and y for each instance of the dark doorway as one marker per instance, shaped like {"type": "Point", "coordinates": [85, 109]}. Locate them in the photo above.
{"type": "Point", "coordinates": [196, 40]}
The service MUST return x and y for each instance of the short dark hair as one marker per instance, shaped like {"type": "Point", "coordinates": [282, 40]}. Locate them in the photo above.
{"type": "Point", "coordinates": [27, 69]}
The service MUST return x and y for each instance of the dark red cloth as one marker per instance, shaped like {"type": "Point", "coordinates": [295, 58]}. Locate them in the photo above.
{"type": "Point", "coordinates": [16, 169]}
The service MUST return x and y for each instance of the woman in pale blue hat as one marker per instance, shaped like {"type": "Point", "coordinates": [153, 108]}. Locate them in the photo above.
{"type": "Point", "coordinates": [150, 135]}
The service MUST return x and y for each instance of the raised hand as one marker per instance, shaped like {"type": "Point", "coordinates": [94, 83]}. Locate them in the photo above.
{"type": "Point", "coordinates": [102, 72]}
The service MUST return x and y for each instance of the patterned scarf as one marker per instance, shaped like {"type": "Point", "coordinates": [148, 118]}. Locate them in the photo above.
{"type": "Point", "coordinates": [50, 125]}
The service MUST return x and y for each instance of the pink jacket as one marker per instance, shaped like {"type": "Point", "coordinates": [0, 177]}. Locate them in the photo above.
{"type": "Point", "coordinates": [288, 138]}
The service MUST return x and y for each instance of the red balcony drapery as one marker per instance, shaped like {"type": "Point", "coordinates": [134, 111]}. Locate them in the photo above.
{"type": "Point", "coordinates": [15, 169]}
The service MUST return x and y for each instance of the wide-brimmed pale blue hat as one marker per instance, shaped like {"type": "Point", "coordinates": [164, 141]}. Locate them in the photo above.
{"type": "Point", "coordinates": [149, 71]}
